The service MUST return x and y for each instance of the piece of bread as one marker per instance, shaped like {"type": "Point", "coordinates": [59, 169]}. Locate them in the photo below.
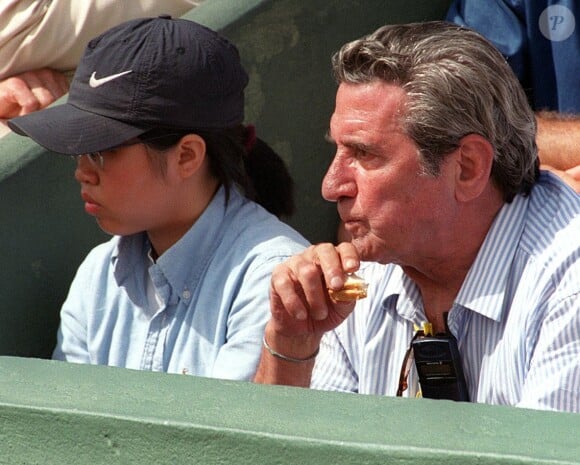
{"type": "Point", "coordinates": [354, 288]}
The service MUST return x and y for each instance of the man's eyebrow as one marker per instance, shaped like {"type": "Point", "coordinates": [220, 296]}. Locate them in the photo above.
{"type": "Point", "coordinates": [352, 144]}
{"type": "Point", "coordinates": [362, 147]}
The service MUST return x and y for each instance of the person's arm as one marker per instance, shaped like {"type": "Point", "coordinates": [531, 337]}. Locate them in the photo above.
{"type": "Point", "coordinates": [71, 340]}
{"type": "Point", "coordinates": [287, 360]}
{"type": "Point", "coordinates": [558, 143]}
{"type": "Point", "coordinates": [302, 312]}
{"type": "Point", "coordinates": [53, 33]}
{"type": "Point", "coordinates": [247, 315]}
{"type": "Point", "coordinates": [86, 296]}
{"type": "Point", "coordinates": [30, 91]}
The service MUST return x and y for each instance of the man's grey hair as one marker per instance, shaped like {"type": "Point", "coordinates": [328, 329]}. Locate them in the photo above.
{"type": "Point", "coordinates": [457, 83]}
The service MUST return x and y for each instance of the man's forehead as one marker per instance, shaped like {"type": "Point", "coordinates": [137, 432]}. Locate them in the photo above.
{"type": "Point", "coordinates": [366, 113]}
{"type": "Point", "coordinates": [368, 102]}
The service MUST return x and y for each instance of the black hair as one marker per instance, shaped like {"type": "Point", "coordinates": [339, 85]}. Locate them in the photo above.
{"type": "Point", "coordinates": [237, 157]}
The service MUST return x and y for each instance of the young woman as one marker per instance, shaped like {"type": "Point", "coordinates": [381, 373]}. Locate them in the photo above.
{"type": "Point", "coordinates": [155, 111]}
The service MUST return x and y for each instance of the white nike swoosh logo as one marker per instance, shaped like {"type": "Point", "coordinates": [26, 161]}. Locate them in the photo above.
{"type": "Point", "coordinates": [94, 82]}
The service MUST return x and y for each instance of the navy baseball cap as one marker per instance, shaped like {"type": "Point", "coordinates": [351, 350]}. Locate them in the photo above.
{"type": "Point", "coordinates": [140, 75]}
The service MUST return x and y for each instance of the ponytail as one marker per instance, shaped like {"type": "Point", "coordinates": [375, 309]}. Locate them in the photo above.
{"type": "Point", "coordinates": [272, 183]}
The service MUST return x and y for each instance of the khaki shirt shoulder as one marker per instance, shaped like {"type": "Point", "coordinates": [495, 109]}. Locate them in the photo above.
{"type": "Point", "coordinates": [53, 33]}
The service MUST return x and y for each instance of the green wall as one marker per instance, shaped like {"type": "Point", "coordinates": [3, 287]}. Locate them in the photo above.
{"type": "Point", "coordinates": [44, 234]}
{"type": "Point", "coordinates": [59, 413]}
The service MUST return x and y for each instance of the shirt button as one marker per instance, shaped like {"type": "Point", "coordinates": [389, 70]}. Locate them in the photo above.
{"type": "Point", "coordinates": [186, 295]}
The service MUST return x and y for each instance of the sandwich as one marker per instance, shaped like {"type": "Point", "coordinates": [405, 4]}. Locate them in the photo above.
{"type": "Point", "coordinates": [354, 288]}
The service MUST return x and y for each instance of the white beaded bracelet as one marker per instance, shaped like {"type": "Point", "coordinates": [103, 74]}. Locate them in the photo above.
{"type": "Point", "coordinates": [285, 357]}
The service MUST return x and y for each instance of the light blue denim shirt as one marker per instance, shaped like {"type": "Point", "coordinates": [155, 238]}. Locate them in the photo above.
{"type": "Point", "coordinates": [211, 293]}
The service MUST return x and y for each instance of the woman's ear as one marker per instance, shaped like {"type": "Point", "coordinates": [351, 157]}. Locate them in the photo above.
{"type": "Point", "coordinates": [473, 168]}
{"type": "Point", "coordinates": [190, 154]}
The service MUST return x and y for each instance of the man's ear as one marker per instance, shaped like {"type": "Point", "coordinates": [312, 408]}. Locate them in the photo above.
{"type": "Point", "coordinates": [191, 153]}
{"type": "Point", "coordinates": [473, 167]}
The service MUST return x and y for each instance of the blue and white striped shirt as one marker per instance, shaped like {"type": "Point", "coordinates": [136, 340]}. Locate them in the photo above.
{"type": "Point", "coordinates": [516, 317]}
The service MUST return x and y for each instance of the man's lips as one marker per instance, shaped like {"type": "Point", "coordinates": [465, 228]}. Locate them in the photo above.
{"type": "Point", "coordinates": [348, 218]}
{"type": "Point", "coordinates": [351, 222]}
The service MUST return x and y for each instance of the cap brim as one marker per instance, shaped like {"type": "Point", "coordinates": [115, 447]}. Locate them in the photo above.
{"type": "Point", "coordinates": [70, 130]}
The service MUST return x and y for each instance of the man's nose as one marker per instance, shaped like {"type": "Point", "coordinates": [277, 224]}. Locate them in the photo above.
{"type": "Point", "coordinates": [338, 181]}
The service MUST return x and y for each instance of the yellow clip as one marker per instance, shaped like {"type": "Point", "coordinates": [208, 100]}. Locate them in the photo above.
{"type": "Point", "coordinates": [427, 328]}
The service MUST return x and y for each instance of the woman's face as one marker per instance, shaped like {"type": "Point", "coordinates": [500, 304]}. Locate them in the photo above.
{"type": "Point", "coordinates": [127, 194]}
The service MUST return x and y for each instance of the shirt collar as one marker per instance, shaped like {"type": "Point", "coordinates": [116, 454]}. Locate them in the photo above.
{"type": "Point", "coordinates": [402, 294]}
{"type": "Point", "coordinates": [182, 264]}
{"type": "Point", "coordinates": [483, 290]}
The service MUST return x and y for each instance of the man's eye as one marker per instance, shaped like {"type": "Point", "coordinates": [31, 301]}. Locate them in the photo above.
{"type": "Point", "coordinates": [361, 153]}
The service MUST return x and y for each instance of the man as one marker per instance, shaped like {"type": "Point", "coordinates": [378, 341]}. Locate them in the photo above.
{"type": "Point", "coordinates": [436, 180]}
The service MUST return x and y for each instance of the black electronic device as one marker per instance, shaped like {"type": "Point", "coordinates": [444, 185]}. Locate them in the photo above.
{"type": "Point", "coordinates": [439, 367]}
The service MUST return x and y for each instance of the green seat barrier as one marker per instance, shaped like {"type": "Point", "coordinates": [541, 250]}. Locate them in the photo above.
{"type": "Point", "coordinates": [59, 413]}
{"type": "Point", "coordinates": [286, 47]}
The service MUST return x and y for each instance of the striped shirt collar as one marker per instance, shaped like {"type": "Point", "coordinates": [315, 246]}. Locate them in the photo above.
{"type": "Point", "coordinates": [483, 289]}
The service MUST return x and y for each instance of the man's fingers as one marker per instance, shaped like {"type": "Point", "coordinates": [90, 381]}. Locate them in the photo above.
{"type": "Point", "coordinates": [286, 297]}
{"type": "Point", "coordinates": [349, 257]}
{"type": "Point", "coordinates": [313, 287]}
{"type": "Point", "coordinates": [16, 96]}
{"type": "Point", "coordinates": [299, 297]}
{"type": "Point", "coordinates": [330, 263]}
{"type": "Point", "coordinates": [44, 88]}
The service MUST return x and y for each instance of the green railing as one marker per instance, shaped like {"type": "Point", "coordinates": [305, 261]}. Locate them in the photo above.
{"type": "Point", "coordinates": [59, 413]}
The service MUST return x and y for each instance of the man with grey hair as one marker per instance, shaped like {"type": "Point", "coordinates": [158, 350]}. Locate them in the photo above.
{"type": "Point", "coordinates": [453, 227]}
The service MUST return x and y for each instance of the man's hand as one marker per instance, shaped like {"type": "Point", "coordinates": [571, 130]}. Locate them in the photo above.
{"type": "Point", "coordinates": [299, 297]}
{"type": "Point", "coordinates": [302, 310]}
{"type": "Point", "coordinates": [30, 91]}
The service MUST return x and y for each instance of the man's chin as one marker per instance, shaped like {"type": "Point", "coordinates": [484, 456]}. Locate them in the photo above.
{"type": "Point", "coordinates": [361, 245]}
